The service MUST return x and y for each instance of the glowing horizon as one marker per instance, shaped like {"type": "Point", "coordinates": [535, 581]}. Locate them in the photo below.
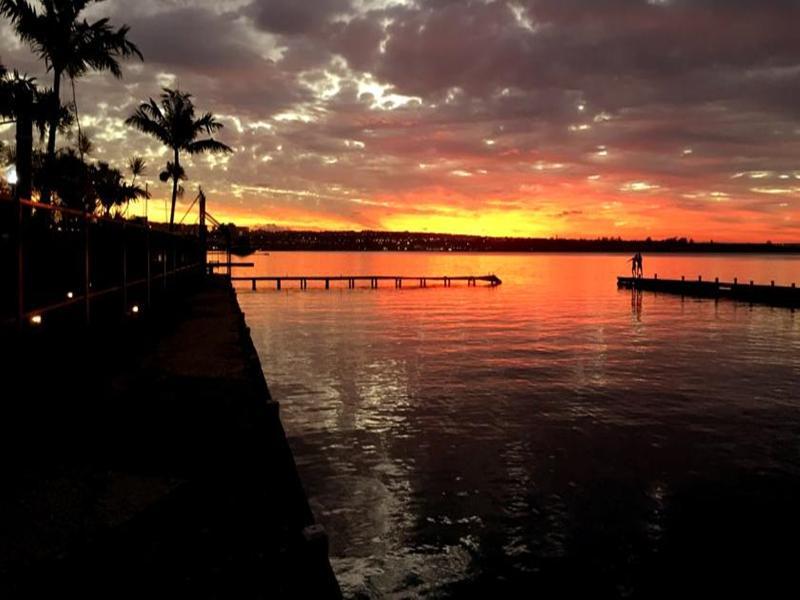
{"type": "Point", "coordinates": [491, 223]}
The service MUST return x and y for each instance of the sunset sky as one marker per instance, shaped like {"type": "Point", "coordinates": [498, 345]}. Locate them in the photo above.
{"type": "Point", "coordinates": [590, 118]}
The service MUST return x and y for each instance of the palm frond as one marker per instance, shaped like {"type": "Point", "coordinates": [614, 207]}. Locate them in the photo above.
{"type": "Point", "coordinates": [18, 12]}
{"type": "Point", "coordinates": [149, 119]}
{"type": "Point", "coordinates": [210, 145]}
{"type": "Point", "coordinates": [137, 166]}
{"type": "Point", "coordinates": [14, 89]}
{"type": "Point", "coordinates": [131, 193]}
{"type": "Point", "coordinates": [208, 124]}
{"type": "Point", "coordinates": [171, 172]}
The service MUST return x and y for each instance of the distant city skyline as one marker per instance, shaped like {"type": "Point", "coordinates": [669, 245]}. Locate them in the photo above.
{"type": "Point", "coordinates": [529, 118]}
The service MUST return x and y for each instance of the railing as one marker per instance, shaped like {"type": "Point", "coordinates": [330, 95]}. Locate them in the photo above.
{"type": "Point", "coordinates": [66, 264]}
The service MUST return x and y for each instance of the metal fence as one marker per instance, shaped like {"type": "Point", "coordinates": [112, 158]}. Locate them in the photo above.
{"type": "Point", "coordinates": [60, 264]}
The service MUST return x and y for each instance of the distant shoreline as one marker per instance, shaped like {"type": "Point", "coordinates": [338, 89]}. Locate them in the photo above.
{"type": "Point", "coordinates": [510, 252]}
{"type": "Point", "coordinates": [246, 241]}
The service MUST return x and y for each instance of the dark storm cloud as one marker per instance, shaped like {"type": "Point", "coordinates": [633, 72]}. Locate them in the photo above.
{"type": "Point", "coordinates": [631, 45]}
{"type": "Point", "coordinates": [295, 16]}
{"type": "Point", "coordinates": [214, 54]}
{"type": "Point", "coordinates": [193, 38]}
{"type": "Point", "coordinates": [357, 40]}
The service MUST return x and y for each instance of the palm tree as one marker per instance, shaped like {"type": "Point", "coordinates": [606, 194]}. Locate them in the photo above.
{"type": "Point", "coordinates": [21, 98]}
{"type": "Point", "coordinates": [5, 94]}
{"type": "Point", "coordinates": [17, 89]}
{"type": "Point", "coordinates": [69, 46]}
{"type": "Point", "coordinates": [12, 86]}
{"type": "Point", "coordinates": [137, 167]}
{"type": "Point", "coordinates": [84, 144]}
{"type": "Point", "coordinates": [173, 123]}
{"type": "Point", "coordinates": [112, 190]}
{"type": "Point", "coordinates": [69, 178]}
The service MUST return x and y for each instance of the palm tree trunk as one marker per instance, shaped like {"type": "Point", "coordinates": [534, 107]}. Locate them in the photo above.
{"type": "Point", "coordinates": [51, 134]}
{"type": "Point", "coordinates": [174, 191]}
{"type": "Point", "coordinates": [77, 118]}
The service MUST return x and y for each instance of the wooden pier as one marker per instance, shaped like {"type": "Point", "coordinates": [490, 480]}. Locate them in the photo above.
{"type": "Point", "coordinates": [750, 292]}
{"type": "Point", "coordinates": [397, 280]}
{"type": "Point", "coordinates": [228, 264]}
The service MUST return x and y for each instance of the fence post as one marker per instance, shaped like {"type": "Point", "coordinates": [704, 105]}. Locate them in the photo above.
{"type": "Point", "coordinates": [164, 257]}
{"type": "Point", "coordinates": [124, 269]}
{"type": "Point", "coordinates": [149, 260]}
{"type": "Point", "coordinates": [228, 244]}
{"type": "Point", "coordinates": [86, 274]}
{"type": "Point", "coordinates": [202, 233]}
{"type": "Point", "coordinates": [20, 261]}
{"type": "Point", "coordinates": [24, 167]}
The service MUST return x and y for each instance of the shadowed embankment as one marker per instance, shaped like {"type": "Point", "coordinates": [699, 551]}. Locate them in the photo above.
{"type": "Point", "coordinates": [150, 460]}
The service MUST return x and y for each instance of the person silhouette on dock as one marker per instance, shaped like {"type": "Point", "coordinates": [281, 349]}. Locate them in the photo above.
{"type": "Point", "coordinates": [637, 265]}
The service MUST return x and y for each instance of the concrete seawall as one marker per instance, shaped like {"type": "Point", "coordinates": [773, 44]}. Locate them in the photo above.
{"type": "Point", "coordinates": [151, 461]}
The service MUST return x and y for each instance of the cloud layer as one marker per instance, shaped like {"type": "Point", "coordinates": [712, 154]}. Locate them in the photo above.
{"type": "Point", "coordinates": [526, 117]}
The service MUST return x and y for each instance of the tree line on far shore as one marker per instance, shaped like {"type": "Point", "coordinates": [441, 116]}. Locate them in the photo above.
{"type": "Point", "coordinates": [70, 47]}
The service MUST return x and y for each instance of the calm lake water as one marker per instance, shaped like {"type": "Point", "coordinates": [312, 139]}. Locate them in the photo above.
{"type": "Point", "coordinates": [553, 435]}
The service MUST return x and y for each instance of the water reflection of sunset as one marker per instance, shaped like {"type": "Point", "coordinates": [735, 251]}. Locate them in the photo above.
{"type": "Point", "coordinates": [456, 435]}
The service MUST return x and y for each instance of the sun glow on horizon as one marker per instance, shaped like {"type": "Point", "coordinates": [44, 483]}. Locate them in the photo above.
{"type": "Point", "coordinates": [596, 208]}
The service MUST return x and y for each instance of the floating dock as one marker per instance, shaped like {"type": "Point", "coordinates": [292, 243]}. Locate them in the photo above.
{"type": "Point", "coordinates": [352, 280]}
{"type": "Point", "coordinates": [750, 292]}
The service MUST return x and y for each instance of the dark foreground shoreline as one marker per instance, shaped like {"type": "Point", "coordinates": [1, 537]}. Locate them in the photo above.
{"type": "Point", "coordinates": [149, 460]}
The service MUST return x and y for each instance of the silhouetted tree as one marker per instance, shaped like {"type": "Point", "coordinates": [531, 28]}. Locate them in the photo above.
{"type": "Point", "coordinates": [111, 188]}
{"type": "Point", "coordinates": [173, 122]}
{"type": "Point", "coordinates": [20, 95]}
{"type": "Point", "coordinates": [68, 177]}
{"type": "Point", "coordinates": [12, 85]}
{"type": "Point", "coordinates": [69, 45]}
{"type": "Point", "coordinates": [5, 97]}
{"type": "Point", "coordinates": [84, 144]}
{"type": "Point", "coordinates": [136, 166]}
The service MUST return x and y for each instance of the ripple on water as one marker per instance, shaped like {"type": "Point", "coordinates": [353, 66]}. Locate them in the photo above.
{"type": "Point", "coordinates": [451, 436]}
